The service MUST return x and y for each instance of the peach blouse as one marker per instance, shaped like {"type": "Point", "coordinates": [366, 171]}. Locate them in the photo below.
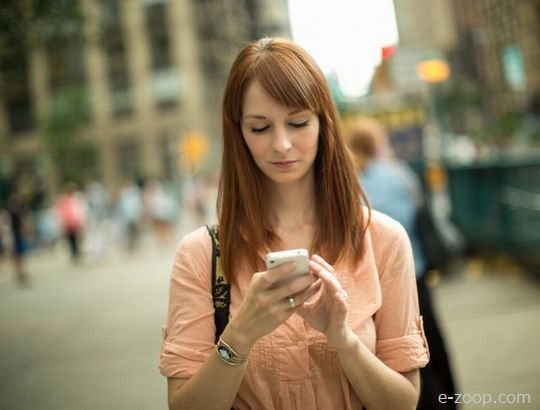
{"type": "Point", "coordinates": [292, 367]}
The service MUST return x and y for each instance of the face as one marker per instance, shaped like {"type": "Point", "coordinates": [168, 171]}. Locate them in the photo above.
{"type": "Point", "coordinates": [282, 140]}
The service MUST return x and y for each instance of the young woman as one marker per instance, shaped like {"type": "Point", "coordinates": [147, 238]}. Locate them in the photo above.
{"type": "Point", "coordinates": [346, 336]}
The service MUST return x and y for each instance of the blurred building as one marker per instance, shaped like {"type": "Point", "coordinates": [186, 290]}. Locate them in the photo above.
{"type": "Point", "coordinates": [223, 27]}
{"type": "Point", "coordinates": [492, 44]}
{"type": "Point", "coordinates": [425, 25]}
{"type": "Point", "coordinates": [424, 28]}
{"type": "Point", "coordinates": [493, 51]}
{"type": "Point", "coordinates": [397, 94]}
{"type": "Point", "coordinates": [151, 72]}
{"type": "Point", "coordinates": [500, 46]}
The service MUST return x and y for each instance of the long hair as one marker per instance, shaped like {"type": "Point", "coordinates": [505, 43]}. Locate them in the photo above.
{"type": "Point", "coordinates": [289, 75]}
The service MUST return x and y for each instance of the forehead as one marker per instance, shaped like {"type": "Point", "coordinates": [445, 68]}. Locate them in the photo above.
{"type": "Point", "coordinates": [257, 102]}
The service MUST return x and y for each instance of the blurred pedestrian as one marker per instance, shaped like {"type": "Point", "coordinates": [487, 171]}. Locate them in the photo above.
{"type": "Point", "coordinates": [129, 211]}
{"type": "Point", "coordinates": [71, 210]}
{"type": "Point", "coordinates": [198, 194]}
{"type": "Point", "coordinates": [393, 188]}
{"type": "Point", "coordinates": [199, 204]}
{"type": "Point", "coordinates": [97, 200]}
{"type": "Point", "coordinates": [345, 335]}
{"type": "Point", "coordinates": [19, 222]}
{"type": "Point", "coordinates": [161, 209]}
{"type": "Point", "coordinates": [48, 226]}
{"type": "Point", "coordinates": [5, 230]}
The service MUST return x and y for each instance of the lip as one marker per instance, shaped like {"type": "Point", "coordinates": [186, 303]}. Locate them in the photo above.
{"type": "Point", "coordinates": [283, 164]}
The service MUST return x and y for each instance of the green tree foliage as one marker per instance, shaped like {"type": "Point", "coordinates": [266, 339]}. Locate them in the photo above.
{"type": "Point", "coordinates": [27, 23]}
{"type": "Point", "coordinates": [60, 130]}
{"type": "Point", "coordinates": [54, 26]}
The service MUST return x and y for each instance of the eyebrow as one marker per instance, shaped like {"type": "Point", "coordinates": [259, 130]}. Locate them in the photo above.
{"type": "Point", "coordinates": [262, 117]}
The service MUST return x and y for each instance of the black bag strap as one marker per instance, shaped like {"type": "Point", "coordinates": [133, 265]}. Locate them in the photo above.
{"type": "Point", "coordinates": [221, 290]}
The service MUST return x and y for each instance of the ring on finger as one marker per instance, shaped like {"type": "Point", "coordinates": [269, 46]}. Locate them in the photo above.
{"type": "Point", "coordinates": [291, 302]}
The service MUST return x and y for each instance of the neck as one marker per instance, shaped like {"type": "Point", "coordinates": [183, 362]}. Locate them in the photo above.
{"type": "Point", "coordinates": [293, 205]}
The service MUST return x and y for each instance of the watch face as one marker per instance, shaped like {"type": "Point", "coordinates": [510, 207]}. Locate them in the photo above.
{"type": "Point", "coordinates": [225, 353]}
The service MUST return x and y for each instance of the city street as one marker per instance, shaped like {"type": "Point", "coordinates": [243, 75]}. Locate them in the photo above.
{"type": "Point", "coordinates": [121, 120]}
{"type": "Point", "coordinates": [88, 337]}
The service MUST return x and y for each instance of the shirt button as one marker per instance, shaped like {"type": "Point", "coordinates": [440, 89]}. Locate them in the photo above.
{"type": "Point", "coordinates": [300, 344]}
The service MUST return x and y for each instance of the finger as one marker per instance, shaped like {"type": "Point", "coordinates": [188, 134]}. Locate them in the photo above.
{"type": "Point", "coordinates": [301, 299]}
{"type": "Point", "coordinates": [308, 293]}
{"type": "Point", "coordinates": [322, 262]}
{"type": "Point", "coordinates": [331, 283]}
{"type": "Point", "coordinates": [294, 285]}
{"type": "Point", "coordinates": [277, 273]}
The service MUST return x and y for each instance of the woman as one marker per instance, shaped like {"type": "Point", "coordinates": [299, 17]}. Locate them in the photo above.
{"type": "Point", "coordinates": [71, 210]}
{"type": "Point", "coordinates": [288, 181]}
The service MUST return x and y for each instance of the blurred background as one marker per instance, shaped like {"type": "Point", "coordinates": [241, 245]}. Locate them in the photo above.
{"type": "Point", "coordinates": [110, 150]}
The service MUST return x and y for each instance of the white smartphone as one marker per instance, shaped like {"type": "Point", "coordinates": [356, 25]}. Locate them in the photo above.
{"type": "Point", "coordinates": [299, 256]}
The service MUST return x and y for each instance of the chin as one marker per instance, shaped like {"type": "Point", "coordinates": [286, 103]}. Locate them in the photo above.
{"type": "Point", "coordinates": [285, 178]}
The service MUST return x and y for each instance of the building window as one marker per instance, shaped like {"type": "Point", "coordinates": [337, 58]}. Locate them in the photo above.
{"type": "Point", "coordinates": [169, 155]}
{"type": "Point", "coordinates": [114, 45]}
{"type": "Point", "coordinates": [152, 2]}
{"type": "Point", "coordinates": [18, 108]}
{"type": "Point", "coordinates": [158, 32]}
{"type": "Point", "coordinates": [165, 78]}
{"type": "Point", "coordinates": [165, 87]}
{"type": "Point", "coordinates": [89, 161]}
{"type": "Point", "coordinates": [66, 61]}
{"type": "Point", "coordinates": [129, 158]}
{"type": "Point", "coordinates": [16, 94]}
{"type": "Point", "coordinates": [66, 65]}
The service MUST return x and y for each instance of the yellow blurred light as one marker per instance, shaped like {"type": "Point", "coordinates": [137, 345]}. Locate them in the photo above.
{"type": "Point", "coordinates": [436, 177]}
{"type": "Point", "coordinates": [433, 71]}
{"type": "Point", "coordinates": [193, 146]}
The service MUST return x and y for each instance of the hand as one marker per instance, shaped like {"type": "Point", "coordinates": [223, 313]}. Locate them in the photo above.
{"type": "Point", "coordinates": [328, 312]}
{"type": "Point", "coordinates": [266, 305]}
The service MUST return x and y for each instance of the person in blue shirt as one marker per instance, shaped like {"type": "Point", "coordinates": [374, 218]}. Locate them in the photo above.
{"type": "Point", "coordinates": [393, 188]}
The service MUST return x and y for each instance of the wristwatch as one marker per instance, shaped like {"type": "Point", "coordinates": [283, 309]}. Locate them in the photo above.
{"type": "Point", "coordinates": [227, 354]}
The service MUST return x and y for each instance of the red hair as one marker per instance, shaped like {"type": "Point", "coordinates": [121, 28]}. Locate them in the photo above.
{"type": "Point", "coordinates": [290, 76]}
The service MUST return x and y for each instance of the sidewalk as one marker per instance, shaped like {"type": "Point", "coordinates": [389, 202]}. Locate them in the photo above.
{"type": "Point", "coordinates": [85, 337]}
{"type": "Point", "coordinates": [490, 318]}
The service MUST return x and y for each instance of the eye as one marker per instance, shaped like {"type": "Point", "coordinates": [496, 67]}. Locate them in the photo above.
{"type": "Point", "coordinates": [299, 124]}
{"type": "Point", "coordinates": [259, 129]}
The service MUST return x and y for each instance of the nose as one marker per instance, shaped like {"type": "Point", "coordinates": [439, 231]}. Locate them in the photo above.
{"type": "Point", "coordinates": [281, 141]}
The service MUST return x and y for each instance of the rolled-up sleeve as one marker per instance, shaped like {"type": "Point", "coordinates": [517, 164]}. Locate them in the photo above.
{"type": "Point", "coordinates": [401, 343]}
{"type": "Point", "coordinates": [188, 336]}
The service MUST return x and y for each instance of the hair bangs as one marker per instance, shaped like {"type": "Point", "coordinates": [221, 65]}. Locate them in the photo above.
{"type": "Point", "coordinates": [287, 80]}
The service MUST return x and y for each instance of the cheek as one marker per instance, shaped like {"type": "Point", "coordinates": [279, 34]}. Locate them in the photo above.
{"type": "Point", "coordinates": [310, 140]}
{"type": "Point", "coordinates": [256, 147]}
